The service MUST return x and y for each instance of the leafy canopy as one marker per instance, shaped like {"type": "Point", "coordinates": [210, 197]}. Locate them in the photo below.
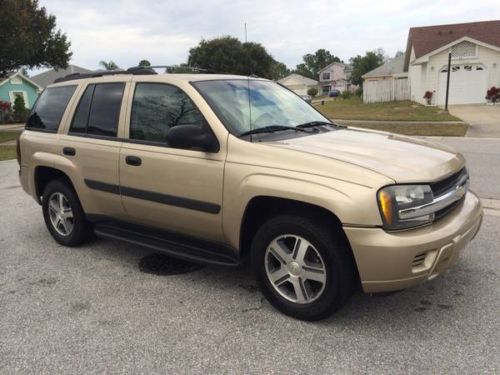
{"type": "Point", "coordinates": [144, 63]}
{"type": "Point", "coordinates": [313, 63]}
{"type": "Point", "coordinates": [363, 64]}
{"type": "Point", "coordinates": [229, 55]}
{"type": "Point", "coordinates": [28, 37]}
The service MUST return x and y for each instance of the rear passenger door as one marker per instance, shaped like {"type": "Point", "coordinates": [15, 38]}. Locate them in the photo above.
{"type": "Point", "coordinates": [174, 189]}
{"type": "Point", "coordinates": [93, 146]}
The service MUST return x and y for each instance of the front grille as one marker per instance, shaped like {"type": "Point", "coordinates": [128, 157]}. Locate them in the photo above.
{"type": "Point", "coordinates": [441, 187]}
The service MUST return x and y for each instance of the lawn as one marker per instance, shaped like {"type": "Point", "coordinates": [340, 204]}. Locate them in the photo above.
{"type": "Point", "coordinates": [7, 152]}
{"type": "Point", "coordinates": [8, 136]}
{"type": "Point", "coordinates": [354, 109]}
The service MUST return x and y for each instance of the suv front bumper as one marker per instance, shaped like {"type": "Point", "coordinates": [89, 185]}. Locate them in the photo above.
{"type": "Point", "coordinates": [396, 260]}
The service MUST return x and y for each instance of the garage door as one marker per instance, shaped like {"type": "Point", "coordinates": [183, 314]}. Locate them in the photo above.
{"type": "Point", "coordinates": [467, 84]}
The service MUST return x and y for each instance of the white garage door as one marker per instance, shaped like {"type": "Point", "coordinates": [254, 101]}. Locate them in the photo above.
{"type": "Point", "coordinates": [467, 84]}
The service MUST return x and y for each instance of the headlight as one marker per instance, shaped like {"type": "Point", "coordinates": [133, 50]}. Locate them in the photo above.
{"type": "Point", "coordinates": [393, 199]}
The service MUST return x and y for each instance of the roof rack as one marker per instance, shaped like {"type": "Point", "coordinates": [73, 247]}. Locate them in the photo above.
{"type": "Point", "coordinates": [135, 70]}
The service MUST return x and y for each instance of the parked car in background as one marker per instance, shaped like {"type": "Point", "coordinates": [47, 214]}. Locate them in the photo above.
{"type": "Point", "coordinates": [218, 169]}
{"type": "Point", "coordinates": [306, 98]}
{"type": "Point", "coordinates": [334, 93]}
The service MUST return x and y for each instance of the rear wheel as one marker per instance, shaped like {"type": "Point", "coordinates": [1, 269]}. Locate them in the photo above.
{"type": "Point", "coordinates": [64, 215]}
{"type": "Point", "coordinates": [302, 266]}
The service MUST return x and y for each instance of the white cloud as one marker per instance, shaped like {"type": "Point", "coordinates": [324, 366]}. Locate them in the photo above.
{"type": "Point", "coordinates": [127, 31]}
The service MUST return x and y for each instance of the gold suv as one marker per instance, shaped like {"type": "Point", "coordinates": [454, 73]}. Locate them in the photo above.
{"type": "Point", "coordinates": [219, 168]}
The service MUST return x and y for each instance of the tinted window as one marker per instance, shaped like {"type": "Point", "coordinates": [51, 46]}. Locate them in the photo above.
{"type": "Point", "coordinates": [79, 124]}
{"type": "Point", "coordinates": [105, 109]}
{"type": "Point", "coordinates": [158, 107]}
{"type": "Point", "coordinates": [49, 108]}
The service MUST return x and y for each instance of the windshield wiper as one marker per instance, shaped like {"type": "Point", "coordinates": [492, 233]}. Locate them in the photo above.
{"type": "Point", "coordinates": [271, 129]}
{"type": "Point", "coordinates": [312, 124]}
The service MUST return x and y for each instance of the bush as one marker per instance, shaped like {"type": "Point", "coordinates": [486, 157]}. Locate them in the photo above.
{"type": "Point", "coordinates": [4, 111]}
{"type": "Point", "coordinates": [19, 107]}
{"type": "Point", "coordinates": [346, 94]}
{"type": "Point", "coordinates": [359, 91]}
{"type": "Point", "coordinates": [313, 91]}
{"type": "Point", "coordinates": [493, 94]}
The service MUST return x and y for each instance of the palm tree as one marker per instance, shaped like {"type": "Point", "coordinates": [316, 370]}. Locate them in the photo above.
{"type": "Point", "coordinates": [110, 65]}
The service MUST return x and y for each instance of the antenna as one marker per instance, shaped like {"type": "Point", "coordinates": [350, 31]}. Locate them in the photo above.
{"type": "Point", "coordinates": [246, 32]}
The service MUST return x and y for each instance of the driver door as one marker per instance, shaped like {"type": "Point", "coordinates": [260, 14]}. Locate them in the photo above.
{"type": "Point", "coordinates": [171, 189]}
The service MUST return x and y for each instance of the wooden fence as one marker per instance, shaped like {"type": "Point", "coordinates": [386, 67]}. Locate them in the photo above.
{"type": "Point", "coordinates": [386, 90]}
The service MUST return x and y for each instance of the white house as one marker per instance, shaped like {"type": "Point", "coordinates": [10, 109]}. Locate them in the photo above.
{"type": "Point", "coordinates": [298, 84]}
{"type": "Point", "coordinates": [334, 76]}
{"type": "Point", "coordinates": [475, 62]}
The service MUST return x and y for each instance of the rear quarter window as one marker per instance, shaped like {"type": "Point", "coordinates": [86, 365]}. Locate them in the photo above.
{"type": "Point", "coordinates": [47, 113]}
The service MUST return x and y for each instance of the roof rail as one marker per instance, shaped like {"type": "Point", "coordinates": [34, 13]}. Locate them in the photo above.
{"type": "Point", "coordinates": [135, 71]}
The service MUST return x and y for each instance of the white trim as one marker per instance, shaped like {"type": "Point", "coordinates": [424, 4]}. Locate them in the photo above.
{"type": "Point", "coordinates": [25, 97]}
{"type": "Point", "coordinates": [23, 77]}
{"type": "Point", "coordinates": [425, 58]}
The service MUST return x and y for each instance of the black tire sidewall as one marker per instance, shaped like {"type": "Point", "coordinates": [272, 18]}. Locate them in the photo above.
{"type": "Point", "coordinates": [337, 283]}
{"type": "Point", "coordinates": [80, 231]}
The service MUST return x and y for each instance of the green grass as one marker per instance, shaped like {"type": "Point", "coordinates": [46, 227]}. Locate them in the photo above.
{"type": "Point", "coordinates": [8, 136]}
{"type": "Point", "coordinates": [7, 152]}
{"type": "Point", "coordinates": [354, 109]}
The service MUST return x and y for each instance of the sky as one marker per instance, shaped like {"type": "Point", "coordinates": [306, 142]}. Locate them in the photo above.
{"type": "Point", "coordinates": [163, 31]}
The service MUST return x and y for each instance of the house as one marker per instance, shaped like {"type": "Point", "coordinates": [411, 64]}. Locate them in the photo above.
{"type": "Point", "coordinates": [48, 77]}
{"type": "Point", "coordinates": [16, 84]}
{"type": "Point", "coordinates": [475, 63]}
{"type": "Point", "coordinates": [387, 83]}
{"type": "Point", "coordinates": [298, 84]}
{"type": "Point", "coordinates": [334, 76]}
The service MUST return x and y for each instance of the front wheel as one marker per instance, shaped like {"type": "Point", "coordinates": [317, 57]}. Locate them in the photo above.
{"type": "Point", "coordinates": [302, 266]}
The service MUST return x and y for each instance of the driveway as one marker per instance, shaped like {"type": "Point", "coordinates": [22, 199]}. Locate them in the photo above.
{"type": "Point", "coordinates": [484, 120]}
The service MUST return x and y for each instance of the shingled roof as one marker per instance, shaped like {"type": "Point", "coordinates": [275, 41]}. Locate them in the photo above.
{"type": "Point", "coordinates": [429, 38]}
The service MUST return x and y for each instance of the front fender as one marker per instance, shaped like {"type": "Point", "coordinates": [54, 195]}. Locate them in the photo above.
{"type": "Point", "coordinates": [351, 203]}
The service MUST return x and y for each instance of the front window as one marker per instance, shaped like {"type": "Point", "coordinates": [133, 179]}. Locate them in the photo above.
{"type": "Point", "coordinates": [326, 76]}
{"type": "Point", "coordinates": [247, 104]}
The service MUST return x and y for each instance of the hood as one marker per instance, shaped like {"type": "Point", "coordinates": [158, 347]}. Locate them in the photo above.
{"type": "Point", "coordinates": [398, 157]}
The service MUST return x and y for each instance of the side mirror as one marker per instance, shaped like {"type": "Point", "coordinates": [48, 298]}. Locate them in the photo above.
{"type": "Point", "coordinates": [192, 137]}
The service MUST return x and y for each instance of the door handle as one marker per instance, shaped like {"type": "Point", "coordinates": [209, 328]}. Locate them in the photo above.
{"type": "Point", "coordinates": [133, 160]}
{"type": "Point", "coordinates": [70, 151]}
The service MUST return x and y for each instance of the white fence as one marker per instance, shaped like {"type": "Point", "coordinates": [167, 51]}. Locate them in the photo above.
{"type": "Point", "coordinates": [386, 90]}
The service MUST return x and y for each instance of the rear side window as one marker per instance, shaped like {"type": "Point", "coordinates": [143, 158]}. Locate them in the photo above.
{"type": "Point", "coordinates": [49, 108]}
{"type": "Point", "coordinates": [156, 108]}
{"type": "Point", "coordinates": [99, 110]}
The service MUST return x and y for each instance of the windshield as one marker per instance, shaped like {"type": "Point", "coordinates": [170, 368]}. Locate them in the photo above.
{"type": "Point", "coordinates": [245, 105]}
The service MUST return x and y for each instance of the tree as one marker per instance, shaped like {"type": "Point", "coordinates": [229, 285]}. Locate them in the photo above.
{"type": "Point", "coordinates": [229, 55]}
{"type": "Point", "coordinates": [363, 64]}
{"type": "Point", "coordinates": [144, 64]}
{"type": "Point", "coordinates": [19, 108]}
{"type": "Point", "coordinates": [313, 63]}
{"type": "Point", "coordinates": [28, 37]}
{"type": "Point", "coordinates": [110, 65]}
{"type": "Point", "coordinates": [279, 70]}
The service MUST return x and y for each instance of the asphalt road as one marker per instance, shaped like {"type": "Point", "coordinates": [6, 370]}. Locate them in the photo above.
{"type": "Point", "coordinates": [92, 310]}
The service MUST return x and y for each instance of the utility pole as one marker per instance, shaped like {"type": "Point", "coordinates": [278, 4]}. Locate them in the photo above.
{"type": "Point", "coordinates": [245, 32]}
{"type": "Point", "coordinates": [448, 81]}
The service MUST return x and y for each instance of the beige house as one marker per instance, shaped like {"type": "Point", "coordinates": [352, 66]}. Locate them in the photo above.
{"type": "Point", "coordinates": [298, 84]}
{"type": "Point", "coordinates": [475, 64]}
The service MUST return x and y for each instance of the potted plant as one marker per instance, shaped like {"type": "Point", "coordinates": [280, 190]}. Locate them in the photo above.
{"type": "Point", "coordinates": [493, 95]}
{"type": "Point", "coordinates": [428, 97]}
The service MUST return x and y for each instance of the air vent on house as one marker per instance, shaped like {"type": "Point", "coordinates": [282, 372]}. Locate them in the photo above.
{"type": "Point", "coordinates": [463, 50]}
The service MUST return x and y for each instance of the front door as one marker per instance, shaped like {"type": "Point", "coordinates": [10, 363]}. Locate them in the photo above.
{"type": "Point", "coordinates": [168, 188]}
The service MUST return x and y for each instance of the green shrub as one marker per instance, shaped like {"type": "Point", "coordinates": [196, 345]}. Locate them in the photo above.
{"type": "Point", "coordinates": [346, 94]}
{"type": "Point", "coordinates": [313, 91]}
{"type": "Point", "coordinates": [19, 107]}
{"type": "Point", "coordinates": [359, 91]}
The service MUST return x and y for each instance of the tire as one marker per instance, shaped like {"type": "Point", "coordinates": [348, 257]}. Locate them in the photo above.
{"type": "Point", "coordinates": [77, 230]}
{"type": "Point", "coordinates": [324, 248]}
